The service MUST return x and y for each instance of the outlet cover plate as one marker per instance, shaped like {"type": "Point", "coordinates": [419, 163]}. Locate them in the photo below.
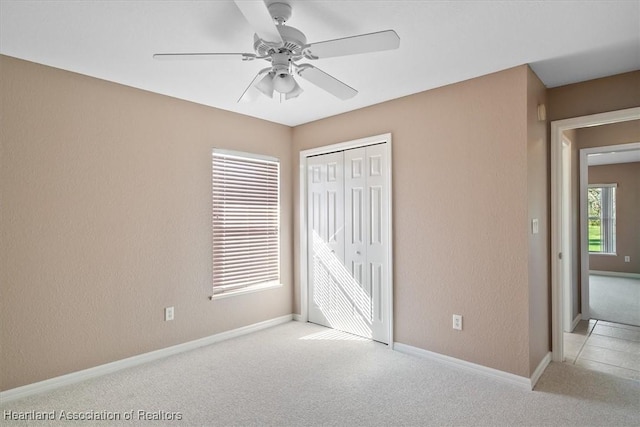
{"type": "Point", "coordinates": [457, 322]}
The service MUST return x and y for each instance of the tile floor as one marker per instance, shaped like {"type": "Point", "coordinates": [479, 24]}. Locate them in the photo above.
{"type": "Point", "coordinates": [603, 346]}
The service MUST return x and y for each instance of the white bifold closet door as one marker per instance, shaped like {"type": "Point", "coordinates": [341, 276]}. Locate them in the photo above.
{"type": "Point", "coordinates": [347, 227]}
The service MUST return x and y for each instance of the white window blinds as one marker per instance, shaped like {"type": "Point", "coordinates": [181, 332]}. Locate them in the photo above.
{"type": "Point", "coordinates": [246, 213]}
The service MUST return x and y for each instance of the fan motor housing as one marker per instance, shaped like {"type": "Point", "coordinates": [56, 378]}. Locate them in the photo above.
{"type": "Point", "coordinates": [294, 42]}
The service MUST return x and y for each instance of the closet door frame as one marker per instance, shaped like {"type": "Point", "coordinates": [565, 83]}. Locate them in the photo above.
{"type": "Point", "coordinates": [302, 232]}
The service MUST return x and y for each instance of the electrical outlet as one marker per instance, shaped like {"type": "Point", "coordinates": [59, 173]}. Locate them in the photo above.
{"type": "Point", "coordinates": [168, 314]}
{"type": "Point", "coordinates": [457, 322]}
{"type": "Point", "coordinates": [627, 258]}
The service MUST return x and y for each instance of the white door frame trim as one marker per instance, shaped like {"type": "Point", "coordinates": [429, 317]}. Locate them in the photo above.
{"type": "Point", "coordinates": [557, 128]}
{"type": "Point", "coordinates": [302, 206]}
{"type": "Point", "coordinates": [567, 250]}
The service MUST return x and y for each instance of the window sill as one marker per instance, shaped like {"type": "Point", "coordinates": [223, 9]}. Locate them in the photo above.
{"type": "Point", "coordinates": [604, 253]}
{"type": "Point", "coordinates": [247, 290]}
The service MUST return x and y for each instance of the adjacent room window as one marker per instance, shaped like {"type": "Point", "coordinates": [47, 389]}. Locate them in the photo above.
{"type": "Point", "coordinates": [246, 219]}
{"type": "Point", "coordinates": [601, 199]}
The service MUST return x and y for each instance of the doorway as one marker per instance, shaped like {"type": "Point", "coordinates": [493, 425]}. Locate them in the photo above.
{"type": "Point", "coordinates": [560, 264]}
{"type": "Point", "coordinates": [346, 238]}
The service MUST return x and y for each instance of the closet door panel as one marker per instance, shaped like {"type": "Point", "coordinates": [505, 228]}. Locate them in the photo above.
{"type": "Point", "coordinates": [356, 226]}
{"type": "Point", "coordinates": [377, 199]}
{"type": "Point", "coordinates": [325, 236]}
{"type": "Point", "coordinates": [347, 209]}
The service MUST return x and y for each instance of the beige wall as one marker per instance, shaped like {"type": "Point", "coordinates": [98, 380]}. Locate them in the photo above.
{"type": "Point", "coordinates": [538, 194]}
{"type": "Point", "coordinates": [627, 176]}
{"type": "Point", "coordinates": [105, 200]}
{"type": "Point", "coordinates": [601, 136]}
{"type": "Point", "coordinates": [612, 134]}
{"type": "Point", "coordinates": [594, 96]}
{"type": "Point", "coordinates": [460, 209]}
{"type": "Point", "coordinates": [591, 97]}
{"type": "Point", "coordinates": [105, 196]}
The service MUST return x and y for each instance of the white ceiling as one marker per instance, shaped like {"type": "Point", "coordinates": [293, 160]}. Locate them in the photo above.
{"type": "Point", "coordinates": [442, 42]}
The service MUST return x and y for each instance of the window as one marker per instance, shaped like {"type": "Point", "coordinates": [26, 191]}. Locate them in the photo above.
{"type": "Point", "coordinates": [601, 199]}
{"type": "Point", "coordinates": [246, 220]}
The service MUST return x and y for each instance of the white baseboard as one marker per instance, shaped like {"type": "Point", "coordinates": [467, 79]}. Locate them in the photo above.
{"type": "Point", "coordinates": [576, 321]}
{"type": "Point", "coordinates": [518, 380]}
{"type": "Point", "coordinates": [297, 317]}
{"type": "Point", "coordinates": [540, 369]}
{"type": "Point", "coordinates": [97, 371]}
{"type": "Point", "coordinates": [615, 274]}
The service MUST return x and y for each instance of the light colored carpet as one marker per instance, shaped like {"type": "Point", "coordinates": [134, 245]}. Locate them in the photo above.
{"type": "Point", "coordinates": [301, 374]}
{"type": "Point", "coordinates": [615, 299]}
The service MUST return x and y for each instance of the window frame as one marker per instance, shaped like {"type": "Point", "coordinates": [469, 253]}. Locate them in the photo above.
{"type": "Point", "coordinates": [608, 230]}
{"type": "Point", "coordinates": [219, 291]}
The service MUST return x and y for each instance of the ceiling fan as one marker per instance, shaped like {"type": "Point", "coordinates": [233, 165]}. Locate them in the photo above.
{"type": "Point", "coordinates": [283, 46]}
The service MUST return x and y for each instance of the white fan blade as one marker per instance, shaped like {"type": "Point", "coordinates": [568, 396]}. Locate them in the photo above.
{"type": "Point", "coordinates": [325, 81]}
{"type": "Point", "coordinates": [373, 42]}
{"type": "Point", "coordinates": [258, 16]}
{"type": "Point", "coordinates": [251, 93]}
{"type": "Point", "coordinates": [203, 56]}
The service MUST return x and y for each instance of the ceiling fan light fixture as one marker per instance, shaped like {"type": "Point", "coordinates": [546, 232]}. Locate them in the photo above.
{"type": "Point", "coordinates": [266, 85]}
{"type": "Point", "coordinates": [284, 83]}
{"type": "Point", "coordinates": [283, 46]}
{"type": "Point", "coordinates": [297, 90]}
